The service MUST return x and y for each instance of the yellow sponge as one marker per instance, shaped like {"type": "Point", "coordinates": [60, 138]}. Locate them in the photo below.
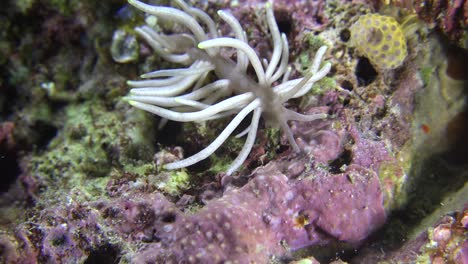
{"type": "Point", "coordinates": [380, 39]}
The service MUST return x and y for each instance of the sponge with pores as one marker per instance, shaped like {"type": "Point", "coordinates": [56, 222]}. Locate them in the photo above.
{"type": "Point", "coordinates": [380, 39]}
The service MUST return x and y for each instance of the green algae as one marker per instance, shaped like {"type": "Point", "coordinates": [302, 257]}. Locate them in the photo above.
{"type": "Point", "coordinates": [93, 142]}
{"type": "Point", "coordinates": [392, 179]}
{"type": "Point", "coordinates": [273, 136]}
{"type": "Point", "coordinates": [219, 164]}
{"type": "Point", "coordinates": [177, 182]}
{"type": "Point", "coordinates": [314, 42]}
{"type": "Point", "coordinates": [426, 73]}
{"type": "Point", "coordinates": [323, 85]}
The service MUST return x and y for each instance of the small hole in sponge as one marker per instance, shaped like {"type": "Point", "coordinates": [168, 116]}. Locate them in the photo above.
{"type": "Point", "coordinates": [365, 72]}
{"type": "Point", "coordinates": [107, 253]}
{"type": "Point", "coordinates": [347, 85]}
{"type": "Point", "coordinates": [345, 35]}
{"type": "Point", "coordinates": [343, 160]}
{"type": "Point", "coordinates": [168, 217]}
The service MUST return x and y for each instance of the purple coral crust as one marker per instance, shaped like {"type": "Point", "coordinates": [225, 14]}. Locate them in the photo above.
{"type": "Point", "coordinates": [248, 224]}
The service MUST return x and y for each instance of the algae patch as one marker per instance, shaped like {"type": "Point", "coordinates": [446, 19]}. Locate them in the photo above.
{"type": "Point", "coordinates": [93, 142]}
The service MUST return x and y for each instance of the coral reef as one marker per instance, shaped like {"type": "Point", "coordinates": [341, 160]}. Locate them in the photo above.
{"type": "Point", "coordinates": [381, 179]}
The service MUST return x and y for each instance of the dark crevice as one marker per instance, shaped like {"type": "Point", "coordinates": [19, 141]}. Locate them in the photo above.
{"type": "Point", "coordinates": [167, 136]}
{"type": "Point", "coordinates": [105, 254]}
{"type": "Point", "coordinates": [283, 19]}
{"type": "Point", "coordinates": [9, 168]}
{"type": "Point", "coordinates": [457, 129]}
{"type": "Point", "coordinates": [45, 132]}
{"type": "Point", "coordinates": [365, 72]}
{"type": "Point", "coordinates": [168, 217]}
{"type": "Point", "coordinates": [347, 85]}
{"type": "Point", "coordinates": [344, 159]}
{"type": "Point", "coordinates": [345, 35]}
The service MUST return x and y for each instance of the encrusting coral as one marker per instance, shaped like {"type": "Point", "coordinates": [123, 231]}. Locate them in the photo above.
{"type": "Point", "coordinates": [169, 95]}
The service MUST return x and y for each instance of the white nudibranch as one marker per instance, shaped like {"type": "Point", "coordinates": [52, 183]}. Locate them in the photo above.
{"type": "Point", "coordinates": [183, 95]}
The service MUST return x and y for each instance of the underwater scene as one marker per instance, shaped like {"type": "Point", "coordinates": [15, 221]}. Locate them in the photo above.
{"type": "Point", "coordinates": [234, 132]}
